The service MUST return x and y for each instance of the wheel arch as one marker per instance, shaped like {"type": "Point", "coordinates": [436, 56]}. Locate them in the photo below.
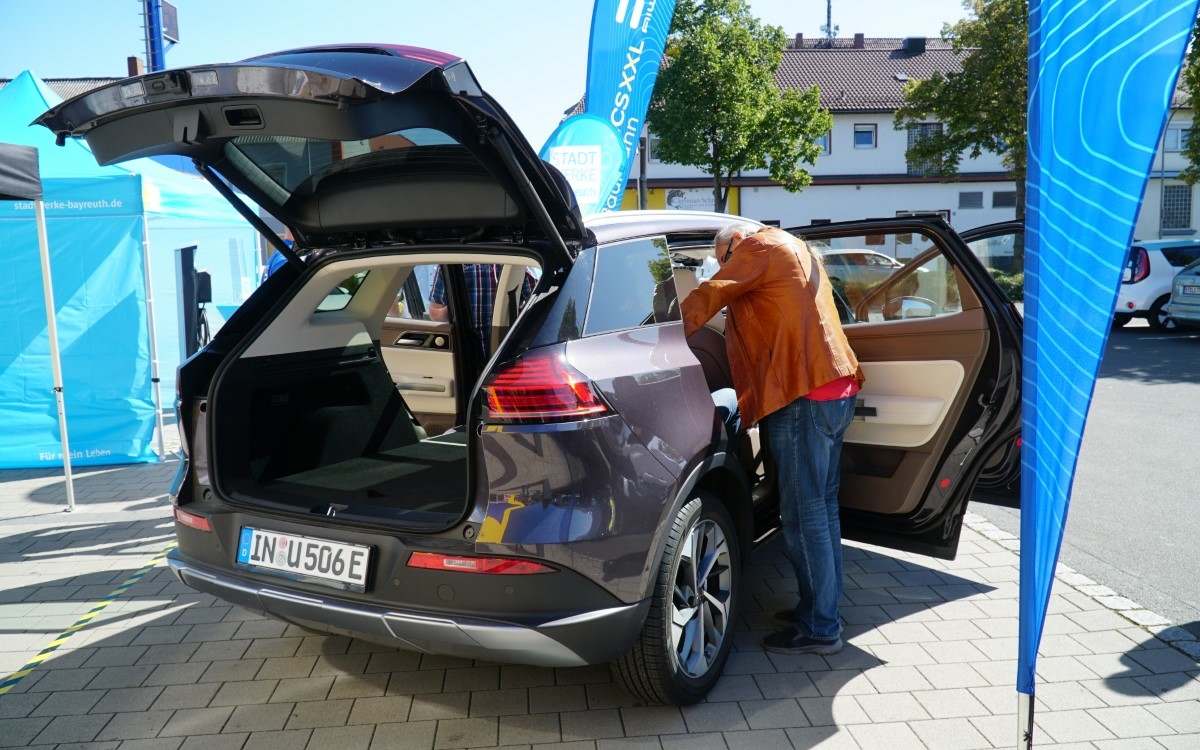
{"type": "Point", "coordinates": [723, 476]}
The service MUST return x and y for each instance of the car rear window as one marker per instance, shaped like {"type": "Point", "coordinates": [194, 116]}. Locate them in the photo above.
{"type": "Point", "coordinates": [1181, 256]}
{"type": "Point", "coordinates": [281, 165]}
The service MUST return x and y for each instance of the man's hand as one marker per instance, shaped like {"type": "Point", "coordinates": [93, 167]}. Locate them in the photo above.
{"type": "Point", "coordinates": [439, 312]}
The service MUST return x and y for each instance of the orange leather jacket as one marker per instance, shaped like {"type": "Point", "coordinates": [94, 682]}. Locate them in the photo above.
{"type": "Point", "coordinates": [782, 331]}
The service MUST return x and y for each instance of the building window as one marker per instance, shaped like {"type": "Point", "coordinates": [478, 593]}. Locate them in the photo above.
{"type": "Point", "coordinates": [651, 149]}
{"type": "Point", "coordinates": [824, 142]}
{"type": "Point", "coordinates": [1177, 207]}
{"type": "Point", "coordinates": [1176, 139]}
{"type": "Point", "coordinates": [916, 134]}
{"type": "Point", "coordinates": [864, 136]}
{"type": "Point", "coordinates": [1004, 199]}
{"type": "Point", "coordinates": [970, 199]}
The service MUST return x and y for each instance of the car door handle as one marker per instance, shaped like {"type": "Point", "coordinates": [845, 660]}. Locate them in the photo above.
{"type": "Point", "coordinates": [417, 340]}
{"type": "Point", "coordinates": [411, 339]}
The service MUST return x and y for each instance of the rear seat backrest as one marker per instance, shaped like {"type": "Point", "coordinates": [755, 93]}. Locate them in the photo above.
{"type": "Point", "coordinates": [685, 283]}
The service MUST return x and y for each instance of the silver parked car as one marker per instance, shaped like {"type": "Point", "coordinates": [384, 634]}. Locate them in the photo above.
{"type": "Point", "coordinates": [1184, 308]}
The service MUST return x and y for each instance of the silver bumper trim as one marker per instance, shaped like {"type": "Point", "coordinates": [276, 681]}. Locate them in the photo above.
{"type": "Point", "coordinates": [473, 639]}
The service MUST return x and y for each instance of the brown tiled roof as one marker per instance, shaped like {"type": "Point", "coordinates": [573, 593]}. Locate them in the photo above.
{"type": "Point", "coordinates": [69, 87]}
{"type": "Point", "coordinates": [870, 78]}
{"type": "Point", "coordinates": [878, 42]}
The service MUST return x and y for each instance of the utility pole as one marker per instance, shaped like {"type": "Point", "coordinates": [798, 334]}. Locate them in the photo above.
{"type": "Point", "coordinates": [156, 57]}
{"type": "Point", "coordinates": [162, 32]}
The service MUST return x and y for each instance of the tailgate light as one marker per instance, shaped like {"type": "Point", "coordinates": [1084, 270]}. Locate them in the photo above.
{"type": "Point", "coordinates": [191, 520]}
{"type": "Point", "coordinates": [541, 387]}
{"type": "Point", "coordinates": [1139, 264]}
{"type": "Point", "coordinates": [463, 564]}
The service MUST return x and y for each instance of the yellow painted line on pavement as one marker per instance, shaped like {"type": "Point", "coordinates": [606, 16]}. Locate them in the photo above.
{"type": "Point", "coordinates": [33, 663]}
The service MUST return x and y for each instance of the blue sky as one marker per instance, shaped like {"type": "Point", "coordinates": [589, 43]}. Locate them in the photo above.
{"type": "Point", "coordinates": [530, 54]}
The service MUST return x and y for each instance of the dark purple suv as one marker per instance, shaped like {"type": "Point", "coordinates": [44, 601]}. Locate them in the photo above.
{"type": "Point", "coordinates": [537, 474]}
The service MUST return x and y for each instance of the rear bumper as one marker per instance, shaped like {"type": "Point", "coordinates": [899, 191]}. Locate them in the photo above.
{"type": "Point", "coordinates": [584, 638]}
{"type": "Point", "coordinates": [1187, 314]}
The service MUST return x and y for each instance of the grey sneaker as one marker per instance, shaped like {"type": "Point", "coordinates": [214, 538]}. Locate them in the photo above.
{"type": "Point", "coordinates": [790, 642]}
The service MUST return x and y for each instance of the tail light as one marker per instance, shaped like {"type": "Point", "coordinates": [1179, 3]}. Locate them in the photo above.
{"type": "Point", "coordinates": [541, 387]}
{"type": "Point", "coordinates": [1139, 264]}
{"type": "Point", "coordinates": [192, 520]}
{"type": "Point", "coordinates": [464, 564]}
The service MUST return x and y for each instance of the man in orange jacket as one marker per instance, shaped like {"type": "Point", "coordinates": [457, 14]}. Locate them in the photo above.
{"type": "Point", "coordinates": [792, 367]}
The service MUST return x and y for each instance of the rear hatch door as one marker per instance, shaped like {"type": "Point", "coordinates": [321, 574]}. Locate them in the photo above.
{"type": "Point", "coordinates": [346, 145]}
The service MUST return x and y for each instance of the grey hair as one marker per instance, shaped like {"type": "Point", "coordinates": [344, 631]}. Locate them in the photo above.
{"type": "Point", "coordinates": [725, 235]}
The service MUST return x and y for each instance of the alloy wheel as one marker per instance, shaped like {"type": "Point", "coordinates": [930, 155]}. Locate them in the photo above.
{"type": "Point", "coordinates": [702, 592]}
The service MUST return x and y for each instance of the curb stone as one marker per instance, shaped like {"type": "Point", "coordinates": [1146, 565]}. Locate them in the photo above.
{"type": "Point", "coordinates": [1154, 624]}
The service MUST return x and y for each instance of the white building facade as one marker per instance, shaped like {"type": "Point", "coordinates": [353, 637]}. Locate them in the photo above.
{"type": "Point", "coordinates": [864, 171]}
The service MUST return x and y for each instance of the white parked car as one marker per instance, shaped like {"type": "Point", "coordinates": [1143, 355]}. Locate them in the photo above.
{"type": "Point", "coordinates": [1150, 270]}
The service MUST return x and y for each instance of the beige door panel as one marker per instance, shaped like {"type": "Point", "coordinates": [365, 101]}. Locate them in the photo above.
{"type": "Point", "coordinates": [920, 373]}
{"type": "Point", "coordinates": [910, 401]}
{"type": "Point", "coordinates": [420, 357]}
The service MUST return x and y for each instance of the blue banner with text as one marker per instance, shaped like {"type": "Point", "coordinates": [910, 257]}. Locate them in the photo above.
{"type": "Point", "coordinates": [1101, 79]}
{"type": "Point", "coordinates": [595, 148]}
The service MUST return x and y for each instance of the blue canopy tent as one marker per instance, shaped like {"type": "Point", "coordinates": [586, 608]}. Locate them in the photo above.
{"type": "Point", "coordinates": [114, 231]}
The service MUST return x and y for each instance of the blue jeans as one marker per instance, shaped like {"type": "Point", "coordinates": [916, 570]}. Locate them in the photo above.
{"type": "Point", "coordinates": [806, 444]}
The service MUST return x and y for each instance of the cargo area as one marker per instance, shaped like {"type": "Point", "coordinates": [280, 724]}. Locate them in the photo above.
{"type": "Point", "coordinates": [328, 433]}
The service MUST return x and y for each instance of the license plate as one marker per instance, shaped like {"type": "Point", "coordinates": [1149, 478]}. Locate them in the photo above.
{"type": "Point", "coordinates": [1191, 289]}
{"type": "Point", "coordinates": [332, 563]}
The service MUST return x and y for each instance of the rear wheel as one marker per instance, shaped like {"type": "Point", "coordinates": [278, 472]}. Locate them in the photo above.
{"type": "Point", "coordinates": [1159, 320]}
{"type": "Point", "coordinates": [688, 634]}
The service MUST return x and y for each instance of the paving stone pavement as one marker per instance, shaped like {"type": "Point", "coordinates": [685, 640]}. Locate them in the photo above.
{"type": "Point", "coordinates": [930, 660]}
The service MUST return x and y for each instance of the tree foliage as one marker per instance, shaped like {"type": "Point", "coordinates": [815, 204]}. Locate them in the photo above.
{"type": "Point", "coordinates": [983, 107]}
{"type": "Point", "coordinates": [716, 105]}
{"type": "Point", "coordinates": [1190, 78]}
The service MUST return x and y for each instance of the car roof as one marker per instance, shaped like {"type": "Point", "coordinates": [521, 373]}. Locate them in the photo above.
{"type": "Point", "coordinates": [615, 226]}
{"type": "Point", "coordinates": [1161, 243]}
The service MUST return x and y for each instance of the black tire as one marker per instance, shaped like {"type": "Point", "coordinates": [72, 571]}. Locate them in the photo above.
{"type": "Point", "coordinates": [689, 631]}
{"type": "Point", "coordinates": [1159, 320]}
{"type": "Point", "coordinates": [1120, 320]}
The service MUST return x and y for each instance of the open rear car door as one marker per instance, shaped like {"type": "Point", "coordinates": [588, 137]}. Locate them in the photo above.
{"type": "Point", "coordinates": [940, 345]}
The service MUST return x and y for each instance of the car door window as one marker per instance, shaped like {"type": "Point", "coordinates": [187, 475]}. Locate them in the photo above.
{"type": "Point", "coordinates": [633, 286]}
{"type": "Point", "coordinates": [878, 288]}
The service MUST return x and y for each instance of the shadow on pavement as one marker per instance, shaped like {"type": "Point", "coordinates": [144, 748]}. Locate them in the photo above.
{"type": "Point", "coordinates": [1138, 353]}
{"type": "Point", "coordinates": [1155, 668]}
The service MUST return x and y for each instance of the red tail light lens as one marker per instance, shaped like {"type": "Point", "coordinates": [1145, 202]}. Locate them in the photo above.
{"type": "Point", "coordinates": [541, 387]}
{"type": "Point", "coordinates": [200, 523]}
{"type": "Point", "coordinates": [1139, 264]}
{"type": "Point", "coordinates": [491, 565]}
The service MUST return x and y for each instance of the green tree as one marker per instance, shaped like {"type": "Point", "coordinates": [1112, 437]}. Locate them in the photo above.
{"type": "Point", "coordinates": [716, 105]}
{"type": "Point", "coordinates": [982, 107]}
{"type": "Point", "coordinates": [1190, 80]}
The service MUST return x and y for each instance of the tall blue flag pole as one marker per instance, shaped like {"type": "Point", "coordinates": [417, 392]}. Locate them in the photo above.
{"type": "Point", "coordinates": [1101, 79]}
{"type": "Point", "coordinates": [595, 148]}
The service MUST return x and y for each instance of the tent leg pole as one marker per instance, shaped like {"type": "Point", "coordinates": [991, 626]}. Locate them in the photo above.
{"type": "Point", "coordinates": [154, 379]}
{"type": "Point", "coordinates": [1024, 721]}
{"type": "Point", "coordinates": [55, 362]}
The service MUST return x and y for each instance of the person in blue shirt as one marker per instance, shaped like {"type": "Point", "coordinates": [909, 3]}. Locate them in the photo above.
{"type": "Point", "coordinates": [277, 261]}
